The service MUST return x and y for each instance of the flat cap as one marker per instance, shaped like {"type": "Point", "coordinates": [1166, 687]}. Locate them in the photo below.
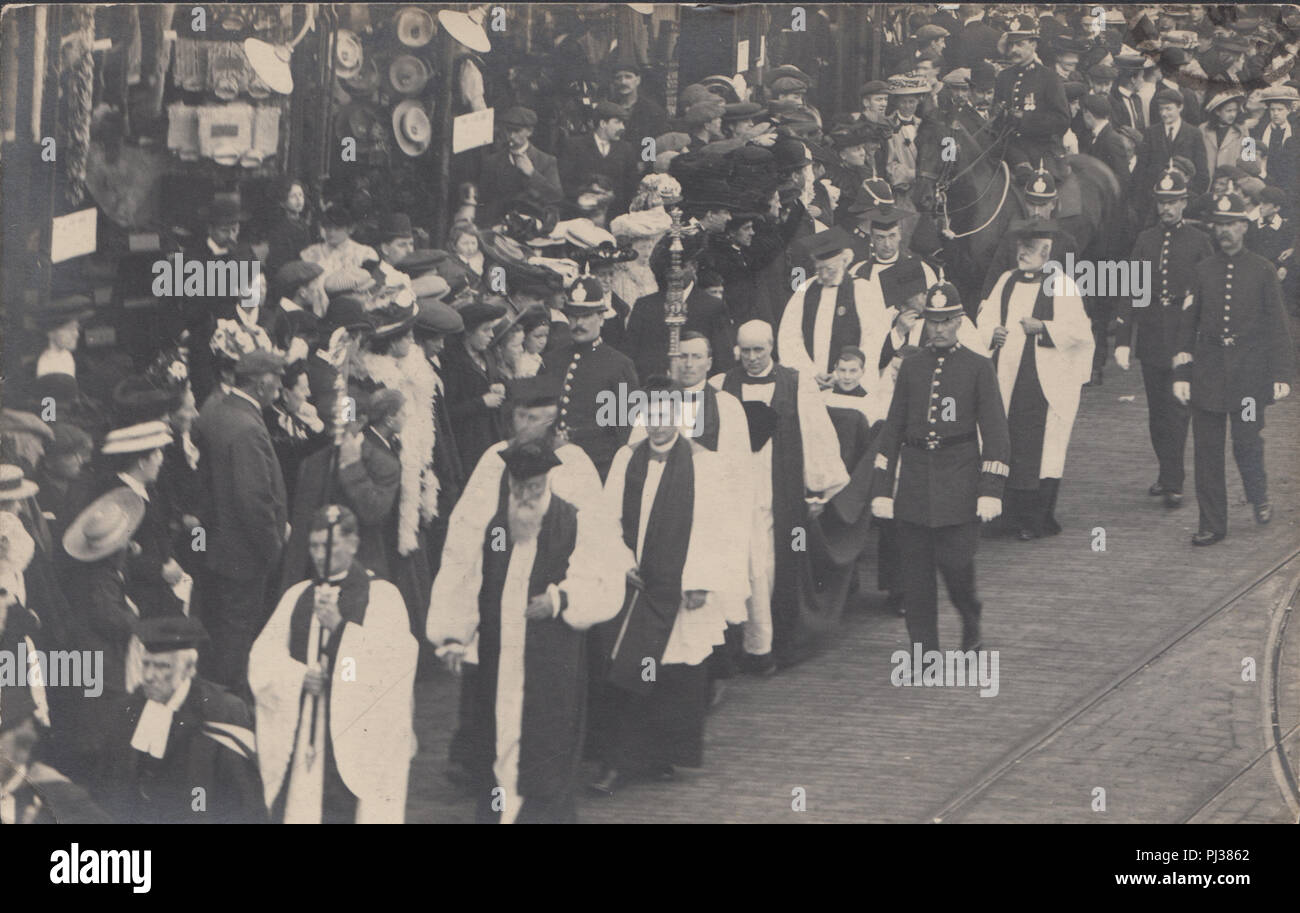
{"type": "Point", "coordinates": [518, 117]}
{"type": "Point", "coordinates": [931, 32]}
{"type": "Point", "coordinates": [435, 317]}
{"type": "Point", "coordinates": [607, 109]}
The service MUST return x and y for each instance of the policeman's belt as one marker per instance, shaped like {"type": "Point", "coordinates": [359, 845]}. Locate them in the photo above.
{"type": "Point", "coordinates": [934, 441]}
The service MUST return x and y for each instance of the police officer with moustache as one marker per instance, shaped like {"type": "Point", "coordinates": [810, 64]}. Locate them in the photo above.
{"type": "Point", "coordinates": [1235, 356]}
{"type": "Point", "coordinates": [1173, 248]}
{"type": "Point", "coordinates": [1031, 98]}
{"type": "Point", "coordinates": [589, 367]}
{"type": "Point", "coordinates": [946, 442]}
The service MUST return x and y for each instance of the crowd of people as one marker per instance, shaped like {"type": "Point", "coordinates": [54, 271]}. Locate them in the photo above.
{"type": "Point", "coordinates": [383, 458]}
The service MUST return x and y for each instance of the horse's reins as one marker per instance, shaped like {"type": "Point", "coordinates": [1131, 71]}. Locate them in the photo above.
{"type": "Point", "coordinates": [941, 189]}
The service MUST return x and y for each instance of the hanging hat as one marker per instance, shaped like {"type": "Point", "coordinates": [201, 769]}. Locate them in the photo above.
{"type": "Point", "coordinates": [477, 313]}
{"type": "Point", "coordinates": [529, 459]}
{"type": "Point", "coordinates": [1041, 187]}
{"type": "Point", "coordinates": [348, 55]}
{"type": "Point", "coordinates": [1171, 186]}
{"type": "Point", "coordinates": [408, 74]}
{"type": "Point", "coordinates": [1222, 98]}
{"type": "Point", "coordinates": [432, 316]}
{"type": "Point", "coordinates": [141, 438]}
{"type": "Point", "coordinates": [365, 81]}
{"type": "Point", "coordinates": [411, 127]}
{"type": "Point", "coordinates": [943, 301]}
{"type": "Point", "coordinates": [518, 117]}
{"type": "Point", "coordinates": [169, 633]}
{"type": "Point", "coordinates": [105, 526]}
{"type": "Point", "coordinates": [13, 487]}
{"type": "Point", "coordinates": [467, 28]}
{"type": "Point", "coordinates": [585, 296]}
{"type": "Point", "coordinates": [414, 26]}
{"type": "Point", "coordinates": [392, 320]}
{"type": "Point", "coordinates": [1228, 207]}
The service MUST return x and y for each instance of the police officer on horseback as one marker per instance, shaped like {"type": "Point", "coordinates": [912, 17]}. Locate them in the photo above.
{"type": "Point", "coordinates": [1029, 98]}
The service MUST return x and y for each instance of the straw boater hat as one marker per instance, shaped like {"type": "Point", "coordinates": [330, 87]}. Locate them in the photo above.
{"type": "Point", "coordinates": [908, 85]}
{"type": "Point", "coordinates": [141, 438]}
{"type": "Point", "coordinates": [13, 487]}
{"type": "Point", "coordinates": [105, 526]}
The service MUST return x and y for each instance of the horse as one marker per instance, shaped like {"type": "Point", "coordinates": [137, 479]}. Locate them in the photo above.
{"type": "Point", "coordinates": [964, 185]}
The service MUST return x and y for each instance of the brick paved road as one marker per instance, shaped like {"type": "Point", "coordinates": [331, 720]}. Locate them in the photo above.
{"type": "Point", "coordinates": [1066, 620]}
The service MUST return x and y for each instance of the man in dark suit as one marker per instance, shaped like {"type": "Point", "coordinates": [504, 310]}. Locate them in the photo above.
{"type": "Point", "coordinates": [517, 169]}
{"type": "Point", "coordinates": [1160, 143]}
{"type": "Point", "coordinates": [645, 117]}
{"type": "Point", "coordinates": [1173, 248]}
{"type": "Point", "coordinates": [602, 152]}
{"type": "Point", "coordinates": [1100, 139]}
{"type": "Point", "coordinates": [974, 42]}
{"type": "Point", "coordinates": [248, 523]}
{"type": "Point", "coordinates": [199, 315]}
{"type": "Point", "coordinates": [1124, 99]}
{"type": "Point", "coordinates": [646, 340]}
{"type": "Point", "coordinates": [1031, 99]}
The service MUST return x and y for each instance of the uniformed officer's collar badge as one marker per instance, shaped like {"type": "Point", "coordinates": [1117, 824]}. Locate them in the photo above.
{"type": "Point", "coordinates": [1224, 204]}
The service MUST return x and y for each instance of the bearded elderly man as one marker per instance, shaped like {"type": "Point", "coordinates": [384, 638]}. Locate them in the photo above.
{"type": "Point", "coordinates": [1035, 324]}
{"type": "Point", "coordinates": [333, 673]}
{"type": "Point", "coordinates": [537, 578]}
{"type": "Point", "coordinates": [180, 749]}
{"type": "Point", "coordinates": [833, 311]}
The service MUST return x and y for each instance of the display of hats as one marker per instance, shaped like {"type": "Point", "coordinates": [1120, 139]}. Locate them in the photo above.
{"type": "Point", "coordinates": [408, 74]}
{"type": "Point", "coordinates": [105, 526]}
{"type": "Point", "coordinates": [348, 56]}
{"type": "Point", "coordinates": [467, 28]}
{"type": "Point", "coordinates": [1227, 207]}
{"type": "Point", "coordinates": [411, 127]}
{"type": "Point", "coordinates": [414, 26]}
{"type": "Point", "coordinates": [365, 81]}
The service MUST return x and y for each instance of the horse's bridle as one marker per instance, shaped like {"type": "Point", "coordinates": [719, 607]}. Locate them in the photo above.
{"type": "Point", "coordinates": [943, 182]}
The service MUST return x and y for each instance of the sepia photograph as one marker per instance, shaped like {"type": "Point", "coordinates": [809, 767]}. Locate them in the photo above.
{"type": "Point", "coordinates": [650, 413]}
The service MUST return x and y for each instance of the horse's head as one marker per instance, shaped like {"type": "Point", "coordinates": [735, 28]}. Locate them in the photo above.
{"type": "Point", "coordinates": [933, 138]}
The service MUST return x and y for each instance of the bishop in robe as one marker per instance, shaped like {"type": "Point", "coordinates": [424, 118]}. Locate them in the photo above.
{"type": "Point", "coordinates": [332, 674]}
{"type": "Point", "coordinates": [541, 575]}
{"type": "Point", "coordinates": [1034, 323]}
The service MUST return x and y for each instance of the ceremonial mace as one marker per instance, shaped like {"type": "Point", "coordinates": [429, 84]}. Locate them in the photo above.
{"type": "Point", "coordinates": [674, 299]}
{"type": "Point", "coordinates": [337, 356]}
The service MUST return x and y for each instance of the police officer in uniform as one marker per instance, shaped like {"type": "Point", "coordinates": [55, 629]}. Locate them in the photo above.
{"type": "Point", "coordinates": [1173, 248]}
{"type": "Point", "coordinates": [947, 443]}
{"type": "Point", "coordinates": [589, 367]}
{"type": "Point", "coordinates": [1235, 356]}
{"type": "Point", "coordinates": [1031, 98]}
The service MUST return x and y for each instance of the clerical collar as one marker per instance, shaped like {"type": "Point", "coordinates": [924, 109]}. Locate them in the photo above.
{"type": "Point", "coordinates": [1026, 275]}
{"type": "Point", "coordinates": [696, 388]}
{"type": "Point", "coordinates": [767, 372]}
{"type": "Point", "coordinates": [134, 484]}
{"type": "Point", "coordinates": [155, 723]}
{"type": "Point", "coordinates": [890, 262]}
{"type": "Point", "coordinates": [335, 578]}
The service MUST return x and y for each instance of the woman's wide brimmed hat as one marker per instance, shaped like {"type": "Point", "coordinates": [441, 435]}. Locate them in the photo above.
{"type": "Point", "coordinates": [13, 486]}
{"type": "Point", "coordinates": [106, 526]}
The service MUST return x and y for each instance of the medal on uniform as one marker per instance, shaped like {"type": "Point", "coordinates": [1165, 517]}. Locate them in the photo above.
{"type": "Point", "coordinates": [841, 311]}
{"type": "Point", "coordinates": [1029, 102]}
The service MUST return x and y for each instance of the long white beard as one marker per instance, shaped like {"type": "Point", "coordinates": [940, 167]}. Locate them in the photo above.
{"type": "Point", "coordinates": [525, 517]}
